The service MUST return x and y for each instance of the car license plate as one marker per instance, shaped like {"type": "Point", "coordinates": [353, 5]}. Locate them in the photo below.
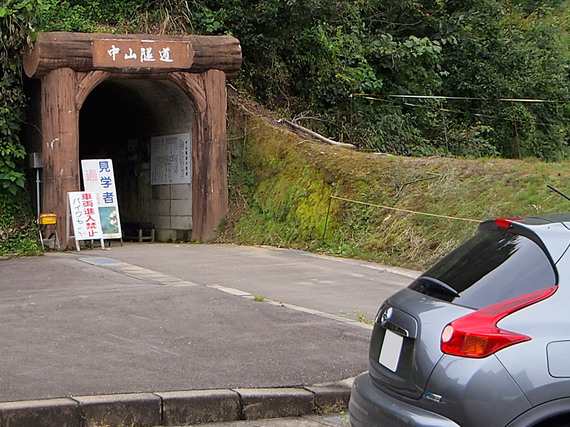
{"type": "Point", "coordinates": [391, 349]}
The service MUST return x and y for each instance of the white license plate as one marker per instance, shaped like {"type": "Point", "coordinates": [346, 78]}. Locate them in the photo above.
{"type": "Point", "coordinates": [391, 349]}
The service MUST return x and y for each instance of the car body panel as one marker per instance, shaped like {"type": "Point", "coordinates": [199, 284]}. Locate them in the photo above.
{"type": "Point", "coordinates": [557, 358]}
{"type": "Point", "coordinates": [546, 323]}
{"type": "Point", "coordinates": [465, 396]}
{"type": "Point", "coordinates": [520, 383]}
{"type": "Point", "coordinates": [419, 354]}
{"type": "Point", "coordinates": [368, 403]}
{"type": "Point", "coordinates": [555, 238]}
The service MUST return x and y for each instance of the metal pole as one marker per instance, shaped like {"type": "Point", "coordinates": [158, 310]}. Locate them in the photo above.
{"type": "Point", "coordinates": [327, 218]}
{"type": "Point", "coordinates": [38, 181]}
{"type": "Point", "coordinates": [558, 191]}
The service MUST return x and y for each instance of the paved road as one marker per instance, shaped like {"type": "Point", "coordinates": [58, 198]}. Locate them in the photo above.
{"type": "Point", "coordinates": [166, 317]}
{"type": "Point", "coordinates": [332, 285]}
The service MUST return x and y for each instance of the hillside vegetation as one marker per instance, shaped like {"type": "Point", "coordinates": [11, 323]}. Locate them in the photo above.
{"type": "Point", "coordinates": [281, 185]}
{"type": "Point", "coordinates": [444, 81]}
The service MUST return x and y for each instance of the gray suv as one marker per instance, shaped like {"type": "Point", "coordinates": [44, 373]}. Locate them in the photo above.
{"type": "Point", "coordinates": [480, 339]}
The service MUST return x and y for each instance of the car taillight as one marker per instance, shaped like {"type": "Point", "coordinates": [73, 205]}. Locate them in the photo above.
{"type": "Point", "coordinates": [506, 222]}
{"type": "Point", "coordinates": [477, 334]}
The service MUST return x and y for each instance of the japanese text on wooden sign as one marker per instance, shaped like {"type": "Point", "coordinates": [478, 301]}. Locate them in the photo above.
{"type": "Point", "coordinates": [127, 53]}
{"type": "Point", "coordinates": [99, 178]}
{"type": "Point", "coordinates": [85, 216]}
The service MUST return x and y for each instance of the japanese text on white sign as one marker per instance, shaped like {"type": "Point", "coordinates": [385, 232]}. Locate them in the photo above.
{"type": "Point", "coordinates": [170, 159]}
{"type": "Point", "coordinates": [99, 178]}
{"type": "Point", "coordinates": [85, 216]}
{"type": "Point", "coordinates": [127, 53]}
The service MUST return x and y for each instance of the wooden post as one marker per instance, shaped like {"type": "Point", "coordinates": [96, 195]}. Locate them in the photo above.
{"type": "Point", "coordinates": [60, 143]}
{"type": "Point", "coordinates": [210, 183]}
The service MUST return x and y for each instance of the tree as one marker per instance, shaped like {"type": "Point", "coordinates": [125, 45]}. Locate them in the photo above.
{"type": "Point", "coordinates": [17, 22]}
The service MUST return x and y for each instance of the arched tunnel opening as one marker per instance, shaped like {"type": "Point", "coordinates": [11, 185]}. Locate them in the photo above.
{"type": "Point", "coordinates": [145, 127]}
{"type": "Point", "coordinates": [161, 118]}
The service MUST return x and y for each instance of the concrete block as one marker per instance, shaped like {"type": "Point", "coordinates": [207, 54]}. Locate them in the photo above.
{"type": "Point", "coordinates": [330, 398]}
{"type": "Point", "coordinates": [200, 406]}
{"type": "Point", "coordinates": [181, 207]}
{"type": "Point", "coordinates": [181, 191]}
{"type": "Point", "coordinates": [165, 235]}
{"type": "Point", "coordinates": [276, 403]}
{"type": "Point", "coordinates": [183, 235]}
{"type": "Point", "coordinates": [181, 222]}
{"type": "Point", "coordinates": [164, 192]}
{"type": "Point", "coordinates": [161, 207]}
{"type": "Point", "coordinates": [161, 192]}
{"type": "Point", "coordinates": [161, 221]}
{"type": "Point", "coordinates": [120, 409]}
{"type": "Point", "coordinates": [45, 413]}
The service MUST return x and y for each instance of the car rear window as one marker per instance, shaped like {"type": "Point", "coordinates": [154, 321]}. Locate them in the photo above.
{"type": "Point", "coordinates": [491, 267]}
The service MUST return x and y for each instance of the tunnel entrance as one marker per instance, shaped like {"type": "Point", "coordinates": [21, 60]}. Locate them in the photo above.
{"type": "Point", "coordinates": [120, 120]}
{"type": "Point", "coordinates": [136, 99]}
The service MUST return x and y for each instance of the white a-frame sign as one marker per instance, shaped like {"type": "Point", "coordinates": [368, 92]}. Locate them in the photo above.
{"type": "Point", "coordinates": [85, 217]}
{"type": "Point", "coordinates": [99, 178]}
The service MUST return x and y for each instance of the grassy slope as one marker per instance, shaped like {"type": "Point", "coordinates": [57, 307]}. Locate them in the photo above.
{"type": "Point", "coordinates": [281, 183]}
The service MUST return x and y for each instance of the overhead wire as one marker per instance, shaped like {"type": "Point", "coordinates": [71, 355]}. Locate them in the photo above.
{"type": "Point", "coordinates": [469, 110]}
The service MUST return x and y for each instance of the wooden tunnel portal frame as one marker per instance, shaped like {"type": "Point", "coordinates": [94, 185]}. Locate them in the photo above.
{"type": "Point", "coordinates": [71, 65]}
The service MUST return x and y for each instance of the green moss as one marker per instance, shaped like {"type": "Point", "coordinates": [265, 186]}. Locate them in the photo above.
{"type": "Point", "coordinates": [281, 187]}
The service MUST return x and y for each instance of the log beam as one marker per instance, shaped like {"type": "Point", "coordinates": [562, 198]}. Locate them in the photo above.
{"type": "Point", "coordinates": [54, 50]}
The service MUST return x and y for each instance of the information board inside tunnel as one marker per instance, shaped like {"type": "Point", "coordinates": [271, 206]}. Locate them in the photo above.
{"type": "Point", "coordinates": [170, 159]}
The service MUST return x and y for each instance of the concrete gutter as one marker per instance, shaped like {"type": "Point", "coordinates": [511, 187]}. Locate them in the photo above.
{"type": "Point", "coordinates": [178, 407]}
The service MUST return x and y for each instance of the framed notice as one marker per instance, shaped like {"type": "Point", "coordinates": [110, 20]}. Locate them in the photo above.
{"type": "Point", "coordinates": [170, 159]}
{"type": "Point", "coordinates": [85, 216]}
{"type": "Point", "coordinates": [99, 178]}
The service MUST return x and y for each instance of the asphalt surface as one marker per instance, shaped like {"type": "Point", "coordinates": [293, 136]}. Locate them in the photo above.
{"type": "Point", "coordinates": [101, 336]}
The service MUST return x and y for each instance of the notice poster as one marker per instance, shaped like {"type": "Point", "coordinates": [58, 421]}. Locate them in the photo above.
{"type": "Point", "coordinates": [85, 216]}
{"type": "Point", "coordinates": [99, 178]}
{"type": "Point", "coordinates": [170, 159]}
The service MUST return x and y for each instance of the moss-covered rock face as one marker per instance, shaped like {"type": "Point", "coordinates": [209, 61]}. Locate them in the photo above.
{"type": "Point", "coordinates": [281, 186]}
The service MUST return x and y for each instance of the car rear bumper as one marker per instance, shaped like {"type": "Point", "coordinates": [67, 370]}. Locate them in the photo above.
{"type": "Point", "coordinates": [369, 406]}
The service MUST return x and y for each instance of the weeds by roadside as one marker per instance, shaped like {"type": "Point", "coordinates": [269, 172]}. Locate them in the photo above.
{"type": "Point", "coordinates": [357, 315]}
{"type": "Point", "coordinates": [281, 186]}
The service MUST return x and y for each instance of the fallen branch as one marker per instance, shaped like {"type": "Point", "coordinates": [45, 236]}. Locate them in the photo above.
{"type": "Point", "coordinates": [316, 135]}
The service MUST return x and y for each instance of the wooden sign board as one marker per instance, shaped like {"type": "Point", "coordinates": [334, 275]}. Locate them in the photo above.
{"type": "Point", "coordinates": [133, 53]}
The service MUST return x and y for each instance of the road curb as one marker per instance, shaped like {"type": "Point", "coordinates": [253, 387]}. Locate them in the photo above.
{"type": "Point", "coordinates": [178, 407]}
